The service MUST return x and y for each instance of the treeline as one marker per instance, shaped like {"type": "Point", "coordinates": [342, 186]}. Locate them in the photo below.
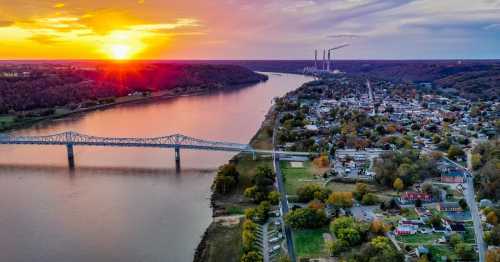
{"type": "Point", "coordinates": [47, 88]}
{"type": "Point", "coordinates": [486, 164]}
{"type": "Point", "coordinates": [472, 79]}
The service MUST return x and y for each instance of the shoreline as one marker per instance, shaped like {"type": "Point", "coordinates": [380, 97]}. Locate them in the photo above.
{"type": "Point", "coordinates": [155, 96]}
{"type": "Point", "coordinates": [202, 251]}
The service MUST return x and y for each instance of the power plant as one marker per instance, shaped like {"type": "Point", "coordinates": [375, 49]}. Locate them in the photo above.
{"type": "Point", "coordinates": [326, 64]}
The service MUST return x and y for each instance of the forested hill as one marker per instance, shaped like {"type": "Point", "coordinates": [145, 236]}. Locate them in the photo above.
{"type": "Point", "coordinates": [32, 86]}
{"type": "Point", "coordinates": [473, 79]}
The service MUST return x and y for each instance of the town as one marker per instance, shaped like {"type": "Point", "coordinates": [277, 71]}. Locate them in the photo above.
{"type": "Point", "coordinates": [401, 173]}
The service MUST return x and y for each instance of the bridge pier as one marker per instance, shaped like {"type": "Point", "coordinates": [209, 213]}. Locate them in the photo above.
{"type": "Point", "coordinates": [177, 159]}
{"type": "Point", "coordinates": [71, 156]}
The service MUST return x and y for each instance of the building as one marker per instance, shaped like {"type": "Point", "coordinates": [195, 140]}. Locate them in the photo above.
{"type": "Point", "coordinates": [452, 176]}
{"type": "Point", "coordinates": [406, 229]}
{"type": "Point", "coordinates": [449, 207]}
{"type": "Point", "coordinates": [410, 197]}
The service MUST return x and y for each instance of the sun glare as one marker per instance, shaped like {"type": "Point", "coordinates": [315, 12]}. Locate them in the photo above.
{"type": "Point", "coordinates": [120, 52]}
{"type": "Point", "coordinates": [123, 45]}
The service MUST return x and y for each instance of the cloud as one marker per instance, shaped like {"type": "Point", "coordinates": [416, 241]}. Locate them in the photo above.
{"type": "Point", "coordinates": [6, 23]}
{"type": "Point", "coordinates": [492, 27]}
{"type": "Point", "coordinates": [45, 39]}
{"type": "Point", "coordinates": [59, 5]}
{"type": "Point", "coordinates": [349, 36]}
{"type": "Point", "coordinates": [182, 22]}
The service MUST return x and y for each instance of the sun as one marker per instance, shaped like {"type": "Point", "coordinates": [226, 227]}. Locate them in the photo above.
{"type": "Point", "coordinates": [120, 52]}
{"type": "Point", "coordinates": [122, 45]}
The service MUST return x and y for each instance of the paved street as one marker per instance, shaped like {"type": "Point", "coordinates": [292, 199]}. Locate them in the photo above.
{"type": "Point", "coordinates": [474, 210]}
{"type": "Point", "coordinates": [283, 198]}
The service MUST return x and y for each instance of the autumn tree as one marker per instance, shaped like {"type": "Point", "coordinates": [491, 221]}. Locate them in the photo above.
{"type": "Point", "coordinates": [252, 256]}
{"type": "Point", "coordinates": [398, 184]}
{"type": "Point", "coordinates": [492, 218]}
{"type": "Point", "coordinates": [341, 199]}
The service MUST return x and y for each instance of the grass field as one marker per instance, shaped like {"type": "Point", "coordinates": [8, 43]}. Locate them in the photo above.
{"type": "Point", "coordinates": [297, 177]}
{"type": "Point", "coordinates": [309, 242]}
{"type": "Point", "coordinates": [420, 238]}
{"type": "Point", "coordinates": [438, 251]}
{"type": "Point", "coordinates": [223, 243]}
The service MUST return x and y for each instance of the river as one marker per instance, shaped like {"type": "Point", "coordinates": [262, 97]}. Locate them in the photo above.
{"type": "Point", "coordinates": [122, 204]}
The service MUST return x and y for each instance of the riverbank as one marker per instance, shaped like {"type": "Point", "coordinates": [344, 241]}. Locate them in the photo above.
{"type": "Point", "coordinates": [12, 122]}
{"type": "Point", "coordinates": [222, 242]}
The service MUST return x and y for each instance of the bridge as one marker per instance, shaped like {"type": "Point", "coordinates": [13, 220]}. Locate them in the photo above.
{"type": "Point", "coordinates": [177, 142]}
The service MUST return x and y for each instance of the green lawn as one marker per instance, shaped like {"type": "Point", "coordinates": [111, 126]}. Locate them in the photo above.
{"type": "Point", "coordinates": [469, 237]}
{"type": "Point", "coordinates": [6, 119]}
{"type": "Point", "coordinates": [410, 213]}
{"type": "Point", "coordinates": [420, 238]}
{"type": "Point", "coordinates": [309, 242]}
{"type": "Point", "coordinates": [341, 187]}
{"type": "Point", "coordinates": [438, 251]}
{"type": "Point", "coordinates": [294, 177]}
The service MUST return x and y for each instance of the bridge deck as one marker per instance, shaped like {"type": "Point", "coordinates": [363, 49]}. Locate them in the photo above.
{"type": "Point", "coordinates": [172, 141]}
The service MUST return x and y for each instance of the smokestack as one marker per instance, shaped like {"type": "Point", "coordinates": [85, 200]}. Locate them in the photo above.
{"type": "Point", "coordinates": [324, 57]}
{"type": "Point", "coordinates": [316, 59]}
{"type": "Point", "coordinates": [328, 64]}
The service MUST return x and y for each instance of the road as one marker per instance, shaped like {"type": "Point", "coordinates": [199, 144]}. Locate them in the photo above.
{"type": "Point", "coordinates": [474, 210]}
{"type": "Point", "coordinates": [283, 198]}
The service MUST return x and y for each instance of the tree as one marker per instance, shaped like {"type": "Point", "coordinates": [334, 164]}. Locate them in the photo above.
{"type": "Point", "coordinates": [427, 188]}
{"type": "Point", "coordinates": [377, 227]}
{"type": "Point", "coordinates": [464, 251]}
{"type": "Point", "coordinates": [321, 161]}
{"type": "Point", "coordinates": [347, 229]}
{"type": "Point", "coordinates": [274, 197]}
{"type": "Point", "coordinates": [262, 212]}
{"type": "Point", "coordinates": [316, 204]}
{"type": "Point", "coordinates": [341, 199]}
{"type": "Point", "coordinates": [309, 192]}
{"type": "Point", "coordinates": [493, 255]}
{"type": "Point", "coordinates": [463, 204]}
{"type": "Point", "coordinates": [369, 199]}
{"type": "Point", "coordinates": [398, 184]}
{"type": "Point", "coordinates": [492, 218]}
{"type": "Point", "coordinates": [361, 189]}
{"type": "Point", "coordinates": [335, 247]}
{"type": "Point", "coordinates": [493, 237]}
{"type": "Point", "coordinates": [224, 184]}
{"type": "Point", "coordinates": [436, 221]}
{"type": "Point", "coordinates": [252, 256]}
{"type": "Point", "coordinates": [455, 151]}
{"type": "Point", "coordinates": [455, 239]}
{"type": "Point", "coordinates": [476, 161]}
{"type": "Point", "coordinates": [306, 218]}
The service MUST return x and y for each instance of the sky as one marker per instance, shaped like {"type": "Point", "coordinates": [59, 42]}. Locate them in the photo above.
{"type": "Point", "coordinates": [249, 29]}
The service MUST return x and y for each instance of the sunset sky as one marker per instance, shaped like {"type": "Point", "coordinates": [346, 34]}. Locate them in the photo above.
{"type": "Point", "coordinates": [248, 29]}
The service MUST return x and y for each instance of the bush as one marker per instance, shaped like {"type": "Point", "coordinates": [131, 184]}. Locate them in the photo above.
{"type": "Point", "coordinates": [309, 192]}
{"type": "Point", "coordinates": [341, 199]}
{"type": "Point", "coordinates": [369, 199]}
{"type": "Point", "coordinates": [306, 218]}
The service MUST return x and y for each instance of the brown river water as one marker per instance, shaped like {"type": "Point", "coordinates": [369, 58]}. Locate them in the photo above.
{"type": "Point", "coordinates": [124, 204]}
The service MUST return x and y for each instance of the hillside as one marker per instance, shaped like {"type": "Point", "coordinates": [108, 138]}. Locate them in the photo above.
{"type": "Point", "coordinates": [50, 85]}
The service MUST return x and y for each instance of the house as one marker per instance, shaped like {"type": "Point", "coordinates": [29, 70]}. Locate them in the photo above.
{"type": "Point", "coordinates": [449, 207]}
{"type": "Point", "coordinates": [421, 250]}
{"type": "Point", "coordinates": [406, 230]}
{"type": "Point", "coordinates": [457, 227]}
{"type": "Point", "coordinates": [452, 176]}
{"type": "Point", "coordinates": [423, 212]}
{"type": "Point", "coordinates": [410, 197]}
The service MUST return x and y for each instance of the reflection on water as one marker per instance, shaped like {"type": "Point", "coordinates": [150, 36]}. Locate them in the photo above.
{"type": "Point", "coordinates": [124, 204]}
